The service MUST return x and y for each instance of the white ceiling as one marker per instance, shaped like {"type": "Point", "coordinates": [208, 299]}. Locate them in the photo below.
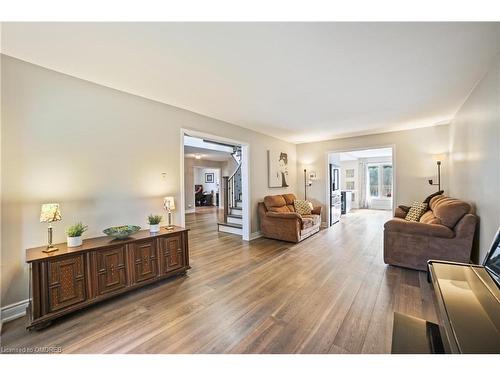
{"type": "Point", "coordinates": [295, 81]}
{"type": "Point", "coordinates": [206, 154]}
{"type": "Point", "coordinates": [370, 153]}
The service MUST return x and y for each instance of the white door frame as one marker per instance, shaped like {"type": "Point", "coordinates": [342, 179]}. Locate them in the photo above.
{"type": "Point", "coordinates": [327, 178]}
{"type": "Point", "coordinates": [245, 176]}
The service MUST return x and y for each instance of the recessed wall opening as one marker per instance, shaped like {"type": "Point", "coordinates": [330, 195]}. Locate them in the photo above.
{"type": "Point", "coordinates": [360, 181]}
{"type": "Point", "coordinates": [215, 183]}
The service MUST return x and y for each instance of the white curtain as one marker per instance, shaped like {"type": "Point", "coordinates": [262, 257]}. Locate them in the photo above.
{"type": "Point", "coordinates": [362, 188]}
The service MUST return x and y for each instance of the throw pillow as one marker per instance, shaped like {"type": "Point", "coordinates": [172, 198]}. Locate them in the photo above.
{"type": "Point", "coordinates": [416, 211]}
{"type": "Point", "coordinates": [428, 199]}
{"type": "Point", "coordinates": [302, 207]}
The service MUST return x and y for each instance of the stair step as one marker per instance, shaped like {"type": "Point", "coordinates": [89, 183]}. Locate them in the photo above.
{"type": "Point", "coordinates": [230, 228]}
{"type": "Point", "coordinates": [235, 208]}
{"type": "Point", "coordinates": [233, 225]}
{"type": "Point", "coordinates": [236, 216]}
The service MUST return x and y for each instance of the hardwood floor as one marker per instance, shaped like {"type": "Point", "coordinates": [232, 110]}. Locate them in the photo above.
{"type": "Point", "coordinates": [331, 293]}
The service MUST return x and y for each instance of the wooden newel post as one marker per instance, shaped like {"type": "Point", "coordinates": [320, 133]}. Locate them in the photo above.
{"type": "Point", "coordinates": [225, 186]}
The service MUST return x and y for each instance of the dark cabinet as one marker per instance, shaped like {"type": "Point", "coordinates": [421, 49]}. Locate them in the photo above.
{"type": "Point", "coordinates": [171, 254]}
{"type": "Point", "coordinates": [144, 260]}
{"type": "Point", "coordinates": [73, 278]}
{"type": "Point", "coordinates": [66, 282]}
{"type": "Point", "coordinates": [111, 269]}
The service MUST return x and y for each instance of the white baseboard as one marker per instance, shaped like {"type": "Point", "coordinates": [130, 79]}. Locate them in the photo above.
{"type": "Point", "coordinates": [190, 211]}
{"type": "Point", "coordinates": [324, 224]}
{"type": "Point", "coordinates": [14, 311]}
{"type": "Point", "coordinates": [255, 235]}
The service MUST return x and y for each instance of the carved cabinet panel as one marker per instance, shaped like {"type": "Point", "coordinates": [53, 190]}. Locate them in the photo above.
{"type": "Point", "coordinates": [73, 278]}
{"type": "Point", "coordinates": [171, 253]}
{"type": "Point", "coordinates": [111, 269]}
{"type": "Point", "coordinates": [144, 260]}
{"type": "Point", "coordinates": [66, 282]}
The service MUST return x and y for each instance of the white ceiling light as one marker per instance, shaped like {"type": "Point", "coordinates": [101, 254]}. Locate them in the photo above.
{"type": "Point", "coordinates": [197, 156]}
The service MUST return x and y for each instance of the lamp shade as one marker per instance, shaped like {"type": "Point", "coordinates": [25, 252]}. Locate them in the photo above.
{"type": "Point", "coordinates": [439, 157]}
{"type": "Point", "coordinates": [50, 212]}
{"type": "Point", "coordinates": [169, 203]}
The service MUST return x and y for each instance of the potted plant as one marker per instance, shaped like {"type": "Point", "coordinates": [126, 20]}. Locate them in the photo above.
{"type": "Point", "coordinates": [154, 223]}
{"type": "Point", "coordinates": [74, 233]}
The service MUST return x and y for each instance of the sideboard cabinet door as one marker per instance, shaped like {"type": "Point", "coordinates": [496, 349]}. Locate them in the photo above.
{"type": "Point", "coordinates": [66, 282]}
{"type": "Point", "coordinates": [111, 269]}
{"type": "Point", "coordinates": [171, 253]}
{"type": "Point", "coordinates": [144, 260]}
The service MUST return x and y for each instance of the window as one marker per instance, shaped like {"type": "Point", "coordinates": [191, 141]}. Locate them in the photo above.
{"type": "Point", "coordinates": [387, 181]}
{"type": "Point", "coordinates": [380, 180]}
{"type": "Point", "coordinates": [373, 180]}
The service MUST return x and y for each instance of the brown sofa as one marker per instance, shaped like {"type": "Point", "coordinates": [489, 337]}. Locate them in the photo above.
{"type": "Point", "coordinates": [444, 232]}
{"type": "Point", "coordinates": [279, 220]}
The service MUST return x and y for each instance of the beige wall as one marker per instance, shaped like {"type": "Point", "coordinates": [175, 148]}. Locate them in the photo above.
{"type": "Point", "coordinates": [413, 161]}
{"type": "Point", "coordinates": [475, 156]}
{"type": "Point", "coordinates": [100, 153]}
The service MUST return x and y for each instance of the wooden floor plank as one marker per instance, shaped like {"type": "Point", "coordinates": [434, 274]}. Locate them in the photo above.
{"type": "Point", "coordinates": [328, 294]}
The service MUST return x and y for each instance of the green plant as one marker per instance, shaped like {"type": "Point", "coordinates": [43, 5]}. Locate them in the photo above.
{"type": "Point", "coordinates": [154, 219]}
{"type": "Point", "coordinates": [76, 230]}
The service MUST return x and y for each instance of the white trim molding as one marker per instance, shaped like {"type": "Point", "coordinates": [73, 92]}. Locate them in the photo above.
{"type": "Point", "coordinates": [255, 235]}
{"type": "Point", "coordinates": [14, 311]}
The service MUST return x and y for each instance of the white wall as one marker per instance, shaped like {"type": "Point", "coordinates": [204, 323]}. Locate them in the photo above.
{"type": "Point", "coordinates": [413, 159]}
{"type": "Point", "coordinates": [189, 178]}
{"type": "Point", "coordinates": [475, 156]}
{"type": "Point", "coordinates": [199, 179]}
{"type": "Point", "coordinates": [100, 153]}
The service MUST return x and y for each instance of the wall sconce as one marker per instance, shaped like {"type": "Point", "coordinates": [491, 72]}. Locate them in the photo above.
{"type": "Point", "coordinates": [438, 158]}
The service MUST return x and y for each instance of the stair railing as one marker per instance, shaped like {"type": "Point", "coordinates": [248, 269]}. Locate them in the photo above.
{"type": "Point", "coordinates": [229, 184]}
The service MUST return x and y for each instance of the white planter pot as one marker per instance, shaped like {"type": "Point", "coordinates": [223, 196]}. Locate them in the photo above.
{"type": "Point", "coordinates": [74, 241]}
{"type": "Point", "coordinates": [154, 228]}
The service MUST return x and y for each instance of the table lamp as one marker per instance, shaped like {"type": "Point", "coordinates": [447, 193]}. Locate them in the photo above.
{"type": "Point", "coordinates": [50, 212]}
{"type": "Point", "coordinates": [169, 205]}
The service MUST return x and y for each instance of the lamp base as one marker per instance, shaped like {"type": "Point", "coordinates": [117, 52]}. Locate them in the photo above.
{"type": "Point", "coordinates": [50, 249]}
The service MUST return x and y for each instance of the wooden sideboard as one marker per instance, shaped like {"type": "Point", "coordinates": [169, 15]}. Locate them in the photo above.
{"type": "Point", "coordinates": [73, 278]}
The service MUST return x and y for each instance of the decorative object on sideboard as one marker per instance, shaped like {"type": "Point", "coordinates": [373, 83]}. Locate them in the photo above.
{"type": "Point", "coordinates": [121, 232]}
{"type": "Point", "coordinates": [278, 168]}
{"type": "Point", "coordinates": [49, 213]}
{"type": "Point", "coordinates": [74, 234]}
{"type": "Point", "coordinates": [154, 223]}
{"type": "Point", "coordinates": [439, 158]}
{"type": "Point", "coordinates": [169, 205]}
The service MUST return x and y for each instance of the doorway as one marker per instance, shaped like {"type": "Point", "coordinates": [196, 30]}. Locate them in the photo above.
{"type": "Point", "coordinates": [360, 179]}
{"type": "Point", "coordinates": [215, 178]}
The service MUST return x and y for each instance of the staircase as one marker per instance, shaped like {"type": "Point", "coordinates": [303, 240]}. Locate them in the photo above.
{"type": "Point", "coordinates": [233, 218]}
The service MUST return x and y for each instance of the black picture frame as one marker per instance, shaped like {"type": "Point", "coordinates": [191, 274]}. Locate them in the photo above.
{"type": "Point", "coordinates": [209, 178]}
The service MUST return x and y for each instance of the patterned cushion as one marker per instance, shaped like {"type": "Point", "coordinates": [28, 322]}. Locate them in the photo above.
{"type": "Point", "coordinates": [417, 209]}
{"type": "Point", "coordinates": [302, 207]}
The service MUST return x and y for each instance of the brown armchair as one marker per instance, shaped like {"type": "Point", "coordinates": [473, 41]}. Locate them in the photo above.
{"type": "Point", "coordinates": [444, 232]}
{"type": "Point", "coordinates": [279, 220]}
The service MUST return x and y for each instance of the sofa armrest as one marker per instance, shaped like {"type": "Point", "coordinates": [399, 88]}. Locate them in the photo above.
{"type": "Point", "coordinates": [416, 228]}
{"type": "Point", "coordinates": [316, 210]}
{"type": "Point", "coordinates": [466, 226]}
{"type": "Point", "coordinates": [283, 215]}
{"type": "Point", "coordinates": [401, 211]}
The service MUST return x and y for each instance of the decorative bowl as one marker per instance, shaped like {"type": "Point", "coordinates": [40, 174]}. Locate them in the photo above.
{"type": "Point", "coordinates": [122, 231]}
